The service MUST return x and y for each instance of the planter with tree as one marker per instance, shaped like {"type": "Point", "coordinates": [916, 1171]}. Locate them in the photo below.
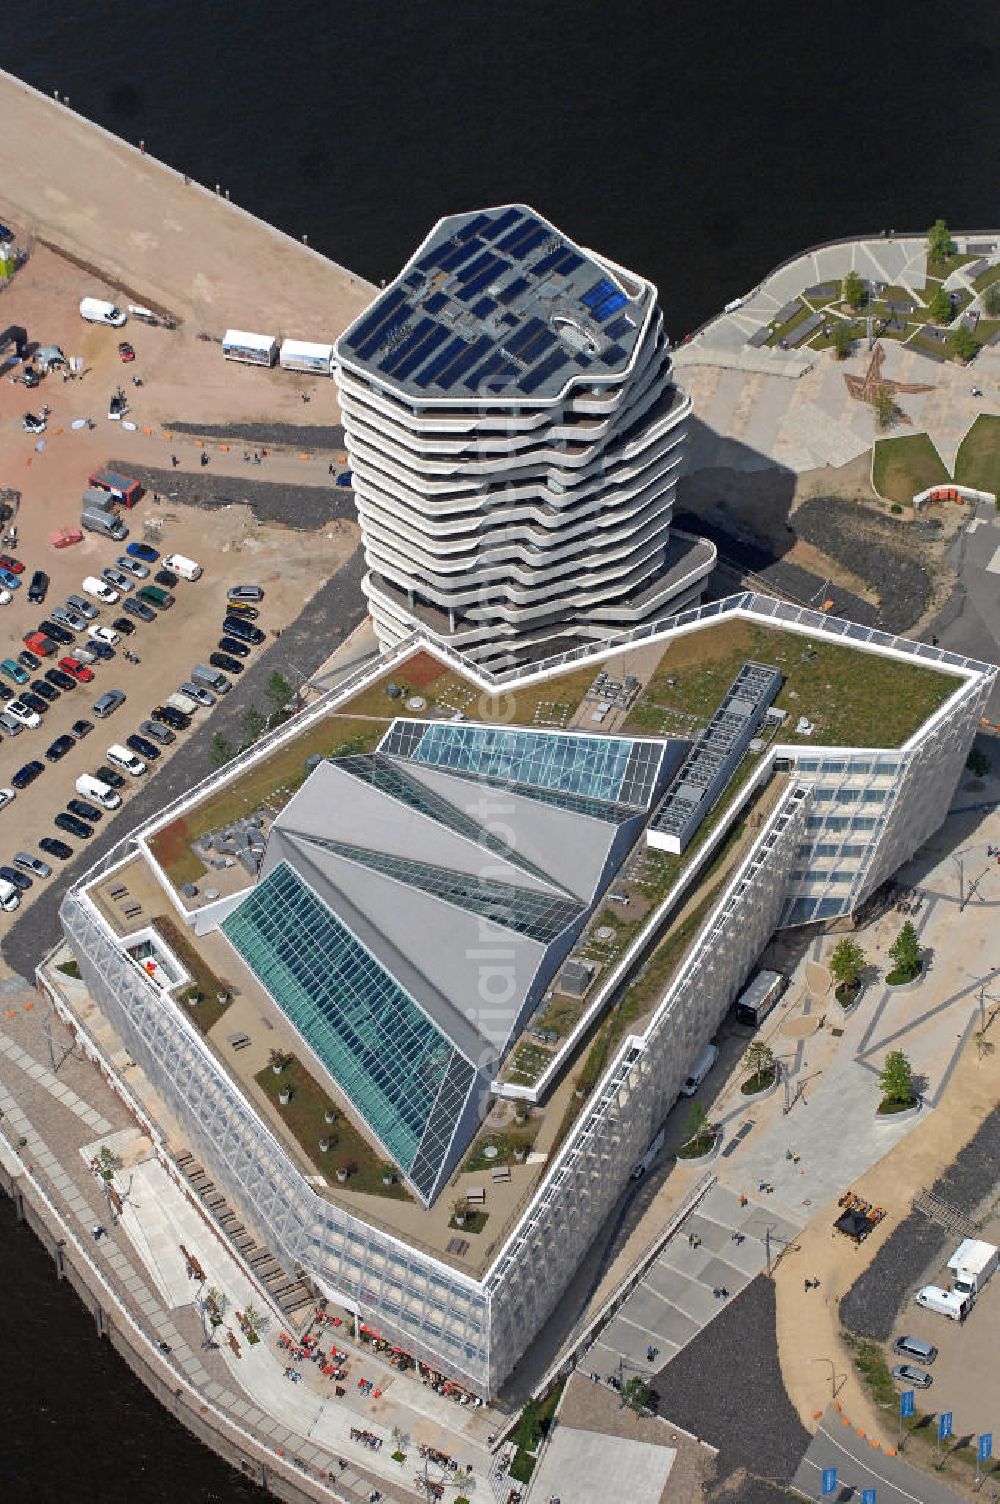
{"type": "Point", "coordinates": [896, 1081]}
{"type": "Point", "coordinates": [701, 1137]}
{"type": "Point", "coordinates": [905, 951]}
{"type": "Point", "coordinates": [635, 1394]}
{"type": "Point", "coordinates": [278, 1060]}
{"type": "Point", "coordinates": [762, 1067]}
{"type": "Point", "coordinates": [285, 1095]}
{"type": "Point", "coordinates": [852, 291]}
{"type": "Point", "coordinates": [846, 966]}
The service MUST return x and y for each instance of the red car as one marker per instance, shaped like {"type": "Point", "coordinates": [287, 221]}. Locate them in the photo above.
{"type": "Point", "coordinates": [7, 561]}
{"type": "Point", "coordinates": [38, 642]}
{"type": "Point", "coordinates": [125, 352]}
{"type": "Point", "coordinates": [76, 670]}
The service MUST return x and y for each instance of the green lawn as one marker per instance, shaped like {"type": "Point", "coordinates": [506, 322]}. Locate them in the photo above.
{"type": "Point", "coordinates": [987, 278]}
{"type": "Point", "coordinates": [209, 1010]}
{"type": "Point", "coordinates": [977, 463]}
{"type": "Point", "coordinates": [905, 466]}
{"type": "Point", "coordinates": [305, 1117]}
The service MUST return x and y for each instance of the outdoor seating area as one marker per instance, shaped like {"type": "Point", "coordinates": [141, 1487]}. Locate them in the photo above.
{"type": "Point", "coordinates": [858, 1218]}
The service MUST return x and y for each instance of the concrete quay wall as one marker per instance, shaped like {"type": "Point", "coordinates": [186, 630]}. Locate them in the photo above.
{"type": "Point", "coordinates": [242, 1451]}
{"type": "Point", "coordinates": [157, 237]}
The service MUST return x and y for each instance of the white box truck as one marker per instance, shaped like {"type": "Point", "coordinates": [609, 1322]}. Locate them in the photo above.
{"type": "Point", "coordinates": [641, 1166]}
{"type": "Point", "coordinates": [972, 1263]}
{"type": "Point", "coordinates": [944, 1302]}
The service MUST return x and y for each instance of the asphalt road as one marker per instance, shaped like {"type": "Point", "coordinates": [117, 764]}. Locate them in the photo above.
{"type": "Point", "coordinates": [859, 1467]}
{"type": "Point", "coordinates": [331, 615]}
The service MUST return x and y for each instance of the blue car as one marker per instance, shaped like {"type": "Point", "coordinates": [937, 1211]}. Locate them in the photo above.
{"type": "Point", "coordinates": [142, 551]}
{"type": "Point", "coordinates": [9, 580]}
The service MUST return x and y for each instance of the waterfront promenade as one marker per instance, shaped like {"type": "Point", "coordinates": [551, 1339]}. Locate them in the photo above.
{"type": "Point", "coordinates": [158, 239]}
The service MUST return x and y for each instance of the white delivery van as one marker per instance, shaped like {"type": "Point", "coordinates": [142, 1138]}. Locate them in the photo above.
{"type": "Point", "coordinates": [300, 355]}
{"type": "Point", "coordinates": [9, 896]}
{"type": "Point", "coordinates": [97, 311]}
{"type": "Point", "coordinates": [92, 788]}
{"type": "Point", "coordinates": [700, 1070]}
{"type": "Point", "coordinates": [252, 349]}
{"type": "Point", "coordinates": [944, 1302]}
{"type": "Point", "coordinates": [186, 568]}
{"type": "Point", "coordinates": [121, 757]}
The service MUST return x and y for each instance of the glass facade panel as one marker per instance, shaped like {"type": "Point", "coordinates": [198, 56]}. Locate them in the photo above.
{"type": "Point", "coordinates": [383, 1051]}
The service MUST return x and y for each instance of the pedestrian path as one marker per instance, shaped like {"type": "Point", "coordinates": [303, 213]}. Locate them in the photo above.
{"type": "Point", "coordinates": [50, 1083]}
{"type": "Point", "coordinates": [727, 1240]}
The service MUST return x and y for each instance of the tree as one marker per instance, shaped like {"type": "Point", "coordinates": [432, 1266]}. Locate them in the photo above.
{"type": "Point", "coordinates": [846, 962]}
{"type": "Point", "coordinates": [843, 339]}
{"type": "Point", "coordinates": [635, 1394]}
{"type": "Point", "coordinates": [939, 307]}
{"type": "Point", "coordinates": [852, 290]}
{"type": "Point", "coordinates": [991, 300]}
{"type": "Point", "coordinates": [278, 690]}
{"type": "Point", "coordinates": [759, 1061]}
{"type": "Point", "coordinates": [529, 1427]}
{"type": "Point", "coordinates": [964, 342]}
{"type": "Point", "coordinates": [696, 1123]}
{"type": "Point", "coordinates": [400, 1438]}
{"type": "Point", "coordinates": [905, 951]}
{"type": "Point", "coordinates": [222, 750]}
{"type": "Point", "coordinates": [977, 762]}
{"type": "Point", "coordinates": [896, 1078]}
{"type": "Point", "coordinates": [253, 723]}
{"type": "Point", "coordinates": [884, 404]}
{"type": "Point", "coordinates": [939, 242]}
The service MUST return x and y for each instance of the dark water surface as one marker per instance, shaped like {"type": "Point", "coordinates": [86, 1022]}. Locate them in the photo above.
{"type": "Point", "coordinates": [698, 143]}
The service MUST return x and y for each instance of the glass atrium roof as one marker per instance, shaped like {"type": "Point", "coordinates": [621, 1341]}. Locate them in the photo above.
{"type": "Point", "coordinates": [500, 302]}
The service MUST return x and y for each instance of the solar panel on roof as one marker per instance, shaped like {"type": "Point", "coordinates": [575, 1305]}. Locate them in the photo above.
{"type": "Point", "coordinates": [486, 259]}
{"type": "Point", "coordinates": [569, 263]}
{"type": "Point", "coordinates": [613, 355]}
{"type": "Point", "coordinates": [473, 227]}
{"type": "Point", "coordinates": [435, 301]}
{"type": "Point", "coordinates": [526, 333]}
{"type": "Point", "coordinates": [385, 328]}
{"type": "Point", "coordinates": [441, 360]}
{"type": "Point", "coordinates": [533, 380]}
{"type": "Point", "coordinates": [535, 238]}
{"type": "Point", "coordinates": [513, 291]}
{"type": "Point", "coordinates": [542, 341]}
{"type": "Point", "coordinates": [598, 293]}
{"type": "Point", "coordinates": [423, 352]}
{"type": "Point", "coordinates": [476, 286]}
{"type": "Point", "coordinates": [548, 263]}
{"type": "Point", "coordinates": [379, 312]}
{"type": "Point", "coordinates": [488, 368]}
{"type": "Point", "coordinates": [414, 280]}
{"type": "Point", "coordinates": [453, 256]}
{"type": "Point", "coordinates": [458, 367]}
{"type": "Point", "coordinates": [618, 328]}
{"type": "Point", "coordinates": [611, 305]}
{"type": "Point", "coordinates": [402, 350]}
{"type": "Point", "coordinates": [483, 307]}
{"type": "Point", "coordinates": [504, 221]}
{"type": "Point", "coordinates": [519, 233]}
{"type": "Point", "coordinates": [602, 311]}
{"type": "Point", "coordinates": [583, 360]}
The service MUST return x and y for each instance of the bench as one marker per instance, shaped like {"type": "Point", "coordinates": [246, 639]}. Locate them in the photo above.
{"type": "Point", "coordinates": [477, 1196]}
{"type": "Point", "coordinates": [118, 891]}
{"type": "Point", "coordinates": [132, 909]}
{"type": "Point", "coordinates": [501, 1175]}
{"type": "Point", "coordinates": [239, 1041]}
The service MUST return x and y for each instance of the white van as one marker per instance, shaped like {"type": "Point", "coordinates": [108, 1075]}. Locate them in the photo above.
{"type": "Point", "coordinates": [186, 568]}
{"type": "Point", "coordinates": [944, 1302]}
{"type": "Point", "coordinates": [96, 311]}
{"type": "Point", "coordinates": [121, 757]}
{"type": "Point", "coordinates": [700, 1070]}
{"type": "Point", "coordinates": [92, 788]}
{"type": "Point", "coordinates": [9, 896]}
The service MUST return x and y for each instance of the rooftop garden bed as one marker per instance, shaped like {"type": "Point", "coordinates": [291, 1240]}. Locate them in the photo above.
{"type": "Point", "coordinates": [271, 782]}
{"type": "Point", "coordinates": [508, 1142]}
{"type": "Point", "coordinates": [202, 998]}
{"type": "Point", "coordinates": [905, 466]}
{"type": "Point", "coordinates": [305, 1116]}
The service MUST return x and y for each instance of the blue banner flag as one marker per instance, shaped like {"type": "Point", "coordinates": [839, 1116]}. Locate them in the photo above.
{"type": "Point", "coordinates": [906, 1402]}
{"type": "Point", "coordinates": [829, 1481]}
{"type": "Point", "coordinates": [867, 1496]}
{"type": "Point", "coordinates": [944, 1425]}
{"type": "Point", "coordinates": [985, 1445]}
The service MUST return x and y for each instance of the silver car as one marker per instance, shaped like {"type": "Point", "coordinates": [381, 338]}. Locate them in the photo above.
{"type": "Point", "coordinates": [157, 732]}
{"type": "Point", "coordinates": [203, 697]}
{"type": "Point", "coordinates": [32, 864]}
{"type": "Point", "coordinates": [117, 579]}
{"type": "Point", "coordinates": [67, 617]}
{"type": "Point", "coordinates": [86, 608]}
{"type": "Point", "coordinates": [134, 567]}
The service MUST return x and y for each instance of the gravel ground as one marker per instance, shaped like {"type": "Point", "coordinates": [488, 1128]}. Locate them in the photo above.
{"type": "Point", "coordinates": [726, 1388]}
{"type": "Point", "coordinates": [306, 508]}
{"type": "Point", "coordinates": [877, 549]}
{"type": "Point", "coordinates": [873, 1302]}
{"type": "Point", "coordinates": [295, 435]}
{"type": "Point", "coordinates": [307, 642]}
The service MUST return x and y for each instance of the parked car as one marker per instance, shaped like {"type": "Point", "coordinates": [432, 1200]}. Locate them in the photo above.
{"type": "Point", "coordinates": [107, 775]}
{"type": "Point", "coordinates": [234, 647]}
{"type": "Point", "coordinates": [242, 608]}
{"type": "Point", "coordinates": [72, 826]}
{"type": "Point", "coordinates": [5, 694]}
{"type": "Point", "coordinates": [142, 746]}
{"type": "Point", "coordinates": [118, 580]}
{"type": "Point", "coordinates": [125, 352]}
{"type": "Point", "coordinates": [907, 1373]}
{"type": "Point", "coordinates": [123, 625]}
{"type": "Point", "coordinates": [197, 692]}
{"type": "Point", "coordinates": [138, 608]}
{"type": "Point", "coordinates": [86, 608]}
{"type": "Point", "coordinates": [142, 551]}
{"type": "Point", "coordinates": [101, 650]}
{"type": "Point", "coordinates": [39, 644]}
{"type": "Point", "coordinates": [84, 810]}
{"type": "Point", "coordinates": [244, 630]}
{"type": "Point", "coordinates": [5, 597]}
{"type": "Point", "coordinates": [59, 748]}
{"type": "Point", "coordinates": [67, 617]}
{"type": "Point", "coordinates": [8, 561]}
{"type": "Point", "coordinates": [244, 593]}
{"type": "Point", "coordinates": [27, 775]}
{"type": "Point", "coordinates": [38, 588]}
{"type": "Point", "coordinates": [46, 690]}
{"type": "Point", "coordinates": [171, 716]}
{"type": "Point", "coordinates": [56, 631]}
{"type": "Point", "coordinates": [161, 600]}
{"type": "Point", "coordinates": [20, 880]}
{"type": "Point", "coordinates": [27, 659]}
{"type": "Point", "coordinates": [32, 864]}
{"type": "Point", "coordinates": [23, 713]}
{"type": "Point", "coordinates": [131, 566]}
{"type": "Point", "coordinates": [76, 670]}
{"type": "Point", "coordinates": [227, 663]}
{"type": "Point", "coordinates": [61, 680]}
{"type": "Point", "coordinates": [100, 590]}
{"type": "Point", "coordinates": [34, 702]}
{"type": "Point", "coordinates": [166, 578]}
{"type": "Point", "coordinates": [13, 671]}
{"type": "Point", "coordinates": [7, 796]}
{"type": "Point", "coordinates": [9, 580]}
{"type": "Point", "coordinates": [80, 729]}
{"type": "Point", "coordinates": [109, 702]}
{"type": "Point", "coordinates": [52, 846]}
{"type": "Point", "coordinates": [157, 732]}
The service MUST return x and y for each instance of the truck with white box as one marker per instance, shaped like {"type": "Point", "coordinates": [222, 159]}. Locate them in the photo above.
{"type": "Point", "coordinates": [971, 1265]}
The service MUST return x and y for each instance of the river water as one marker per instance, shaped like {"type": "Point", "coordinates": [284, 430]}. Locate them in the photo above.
{"type": "Point", "coordinates": [699, 144]}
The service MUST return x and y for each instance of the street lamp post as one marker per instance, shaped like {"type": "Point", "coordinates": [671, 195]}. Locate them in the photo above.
{"type": "Point", "coordinates": [833, 1374]}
